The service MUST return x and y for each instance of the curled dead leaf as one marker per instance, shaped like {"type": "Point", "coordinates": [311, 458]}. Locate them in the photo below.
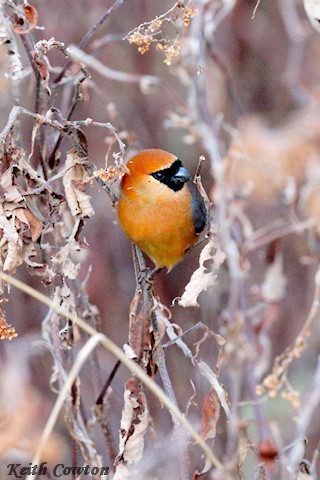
{"type": "Point", "coordinates": [41, 65]}
{"type": "Point", "coordinates": [31, 14]}
{"type": "Point", "coordinates": [211, 415]}
{"type": "Point", "coordinates": [34, 224]}
{"type": "Point", "coordinates": [13, 257]}
{"type": "Point", "coordinates": [11, 193]}
{"type": "Point", "coordinates": [69, 269]}
{"type": "Point", "coordinates": [305, 472]}
{"type": "Point", "coordinates": [74, 181]}
{"type": "Point", "coordinates": [26, 24]}
{"type": "Point", "coordinates": [134, 425]}
{"type": "Point", "coordinates": [10, 244]}
{"type": "Point", "coordinates": [29, 219]}
{"type": "Point", "coordinates": [207, 466]}
{"type": "Point", "coordinates": [203, 278]}
{"type": "Point", "coordinates": [41, 269]}
{"type": "Point", "coordinates": [206, 371]}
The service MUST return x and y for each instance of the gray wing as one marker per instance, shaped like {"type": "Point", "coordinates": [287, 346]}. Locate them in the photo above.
{"type": "Point", "coordinates": [199, 212]}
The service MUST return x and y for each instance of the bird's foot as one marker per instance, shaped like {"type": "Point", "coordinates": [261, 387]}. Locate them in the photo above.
{"type": "Point", "coordinates": [147, 275]}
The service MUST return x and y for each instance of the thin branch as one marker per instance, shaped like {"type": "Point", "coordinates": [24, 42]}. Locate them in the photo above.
{"type": "Point", "coordinates": [260, 238]}
{"type": "Point", "coordinates": [75, 100]}
{"type": "Point", "coordinates": [89, 34]}
{"type": "Point", "coordinates": [28, 45]}
{"type": "Point", "coordinates": [99, 400]}
{"type": "Point", "coordinates": [255, 9]}
{"type": "Point", "coordinates": [80, 56]}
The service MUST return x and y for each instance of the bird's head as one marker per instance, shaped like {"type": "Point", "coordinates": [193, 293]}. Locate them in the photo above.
{"type": "Point", "coordinates": [154, 170]}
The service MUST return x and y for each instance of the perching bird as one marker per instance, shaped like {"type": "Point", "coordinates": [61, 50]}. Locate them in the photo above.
{"type": "Point", "coordinates": [158, 209]}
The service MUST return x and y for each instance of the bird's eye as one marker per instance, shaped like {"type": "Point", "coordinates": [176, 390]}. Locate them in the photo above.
{"type": "Point", "coordinates": [158, 175]}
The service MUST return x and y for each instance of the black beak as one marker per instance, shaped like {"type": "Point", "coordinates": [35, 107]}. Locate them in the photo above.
{"type": "Point", "coordinates": [181, 176]}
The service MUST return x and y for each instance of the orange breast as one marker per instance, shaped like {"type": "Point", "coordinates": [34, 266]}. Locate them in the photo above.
{"type": "Point", "coordinates": [161, 225]}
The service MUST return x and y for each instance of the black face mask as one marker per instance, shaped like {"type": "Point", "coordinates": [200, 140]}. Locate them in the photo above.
{"type": "Point", "coordinates": [174, 177]}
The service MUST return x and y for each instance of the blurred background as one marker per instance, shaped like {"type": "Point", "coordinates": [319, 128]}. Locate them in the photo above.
{"type": "Point", "coordinates": [254, 84]}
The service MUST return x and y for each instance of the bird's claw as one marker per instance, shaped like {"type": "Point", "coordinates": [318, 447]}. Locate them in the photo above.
{"type": "Point", "coordinates": [147, 275]}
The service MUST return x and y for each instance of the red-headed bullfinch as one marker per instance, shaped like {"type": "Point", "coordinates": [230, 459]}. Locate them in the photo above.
{"type": "Point", "coordinates": [160, 211]}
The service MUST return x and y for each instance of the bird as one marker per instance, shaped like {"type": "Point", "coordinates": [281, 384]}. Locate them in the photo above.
{"type": "Point", "coordinates": [161, 212]}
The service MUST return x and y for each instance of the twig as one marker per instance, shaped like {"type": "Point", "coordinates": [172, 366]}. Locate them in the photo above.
{"type": "Point", "coordinates": [175, 339]}
{"type": "Point", "coordinates": [75, 100]}
{"type": "Point", "coordinates": [99, 400]}
{"type": "Point", "coordinates": [89, 34]}
{"type": "Point", "coordinates": [255, 9]}
{"type": "Point", "coordinates": [260, 238]}
{"type": "Point", "coordinates": [231, 89]}
{"type": "Point", "coordinates": [80, 56]}
{"type": "Point", "coordinates": [102, 413]}
{"type": "Point", "coordinates": [28, 45]}
{"type": "Point", "coordinates": [198, 182]}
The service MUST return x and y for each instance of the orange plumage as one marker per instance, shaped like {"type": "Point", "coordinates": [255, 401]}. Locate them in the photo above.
{"type": "Point", "coordinates": [158, 209]}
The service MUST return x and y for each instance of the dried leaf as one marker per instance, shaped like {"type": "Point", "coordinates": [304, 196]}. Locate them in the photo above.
{"type": "Point", "coordinates": [304, 472]}
{"type": "Point", "coordinates": [68, 268]}
{"type": "Point", "coordinates": [273, 287]}
{"type": "Point", "coordinates": [41, 269]}
{"type": "Point", "coordinates": [211, 415]}
{"type": "Point", "coordinates": [268, 452]}
{"type": "Point", "coordinates": [11, 243]}
{"type": "Point", "coordinates": [192, 399]}
{"type": "Point", "coordinates": [139, 334]}
{"type": "Point", "coordinates": [12, 193]}
{"type": "Point", "coordinates": [129, 352]}
{"type": "Point", "coordinates": [134, 425]}
{"type": "Point", "coordinates": [202, 278]}
{"type": "Point", "coordinates": [41, 65]}
{"type": "Point", "coordinates": [33, 223]}
{"type": "Point", "coordinates": [31, 16]}
{"type": "Point", "coordinates": [206, 371]}
{"type": "Point", "coordinates": [74, 181]}
{"type": "Point", "coordinates": [13, 258]}
{"type": "Point", "coordinates": [207, 466]}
